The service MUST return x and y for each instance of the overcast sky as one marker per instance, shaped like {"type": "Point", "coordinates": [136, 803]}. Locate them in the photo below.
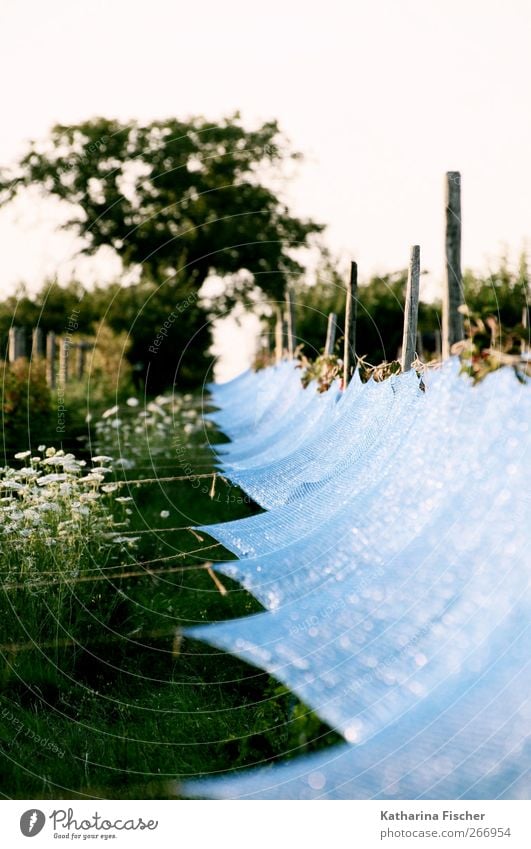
{"type": "Point", "coordinates": [382, 96]}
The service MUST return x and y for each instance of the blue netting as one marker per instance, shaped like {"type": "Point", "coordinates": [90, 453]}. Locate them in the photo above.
{"type": "Point", "coordinates": [396, 576]}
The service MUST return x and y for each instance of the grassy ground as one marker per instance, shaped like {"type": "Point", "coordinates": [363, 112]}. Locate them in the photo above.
{"type": "Point", "coordinates": [127, 707]}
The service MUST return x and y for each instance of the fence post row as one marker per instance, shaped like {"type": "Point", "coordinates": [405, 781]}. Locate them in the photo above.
{"type": "Point", "coordinates": [409, 338]}
{"type": "Point", "coordinates": [452, 319]}
{"type": "Point", "coordinates": [351, 307]}
{"type": "Point", "coordinates": [330, 334]}
{"type": "Point", "coordinates": [46, 347]}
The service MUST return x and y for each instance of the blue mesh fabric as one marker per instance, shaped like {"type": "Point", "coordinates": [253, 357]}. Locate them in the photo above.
{"type": "Point", "coordinates": [400, 600]}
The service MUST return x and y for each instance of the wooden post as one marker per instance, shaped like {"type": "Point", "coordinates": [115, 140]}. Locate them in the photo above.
{"type": "Point", "coordinates": [64, 351]}
{"type": "Point", "coordinates": [330, 334]}
{"type": "Point", "coordinates": [12, 344]}
{"type": "Point", "coordinates": [452, 324]}
{"type": "Point", "coordinates": [525, 325]}
{"type": "Point", "coordinates": [279, 336]}
{"type": "Point", "coordinates": [351, 307]}
{"type": "Point", "coordinates": [290, 323]}
{"type": "Point", "coordinates": [409, 337]}
{"type": "Point", "coordinates": [50, 359]}
{"type": "Point", "coordinates": [37, 343]}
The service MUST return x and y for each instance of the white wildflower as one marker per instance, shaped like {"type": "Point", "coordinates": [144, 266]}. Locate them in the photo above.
{"type": "Point", "coordinates": [164, 514]}
{"type": "Point", "coordinates": [132, 402]}
{"type": "Point", "coordinates": [54, 477]}
{"type": "Point", "coordinates": [110, 487]}
{"type": "Point", "coordinates": [110, 412]}
{"type": "Point", "coordinates": [101, 458]}
{"type": "Point", "coordinates": [22, 455]}
{"type": "Point", "coordinates": [124, 463]}
{"type": "Point", "coordinates": [92, 477]}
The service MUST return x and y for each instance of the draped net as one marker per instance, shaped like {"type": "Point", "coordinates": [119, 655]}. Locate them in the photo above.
{"type": "Point", "coordinates": [393, 567]}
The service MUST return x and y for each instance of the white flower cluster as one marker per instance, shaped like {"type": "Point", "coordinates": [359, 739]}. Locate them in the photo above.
{"type": "Point", "coordinates": [119, 430]}
{"type": "Point", "coordinates": [53, 505]}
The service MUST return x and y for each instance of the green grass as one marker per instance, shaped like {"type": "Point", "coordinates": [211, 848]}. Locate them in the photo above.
{"type": "Point", "coordinates": [121, 707]}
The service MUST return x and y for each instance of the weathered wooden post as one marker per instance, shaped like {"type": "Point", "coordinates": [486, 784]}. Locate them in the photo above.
{"type": "Point", "coordinates": [351, 307]}
{"type": "Point", "coordinates": [279, 336]}
{"type": "Point", "coordinates": [50, 359]}
{"type": "Point", "coordinates": [37, 343]}
{"type": "Point", "coordinates": [409, 337]}
{"type": "Point", "coordinates": [452, 319]}
{"type": "Point", "coordinates": [17, 343]}
{"type": "Point", "coordinates": [290, 323]}
{"type": "Point", "coordinates": [330, 334]}
{"type": "Point", "coordinates": [12, 344]}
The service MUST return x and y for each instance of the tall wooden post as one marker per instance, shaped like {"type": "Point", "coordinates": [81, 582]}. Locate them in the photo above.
{"type": "Point", "coordinates": [37, 343]}
{"type": "Point", "coordinates": [452, 320]}
{"type": "Point", "coordinates": [17, 343]}
{"type": "Point", "coordinates": [12, 344]}
{"type": "Point", "coordinates": [290, 323]}
{"type": "Point", "coordinates": [330, 334]}
{"type": "Point", "coordinates": [351, 307]}
{"type": "Point", "coordinates": [50, 359]}
{"type": "Point", "coordinates": [279, 336]}
{"type": "Point", "coordinates": [411, 310]}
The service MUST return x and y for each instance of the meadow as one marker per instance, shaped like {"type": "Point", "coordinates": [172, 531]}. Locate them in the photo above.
{"type": "Point", "coordinates": [101, 696]}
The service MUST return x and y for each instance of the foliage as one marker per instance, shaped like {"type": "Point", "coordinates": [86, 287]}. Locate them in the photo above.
{"type": "Point", "coordinates": [263, 359]}
{"type": "Point", "coordinates": [56, 530]}
{"type": "Point", "coordinates": [379, 372]}
{"type": "Point", "coordinates": [176, 201]}
{"type": "Point", "coordinates": [490, 346]}
{"type": "Point", "coordinates": [26, 403]}
{"type": "Point", "coordinates": [502, 293]}
{"type": "Point", "coordinates": [94, 732]}
{"type": "Point", "coordinates": [380, 308]}
{"type": "Point", "coordinates": [380, 314]}
{"type": "Point", "coordinates": [324, 370]}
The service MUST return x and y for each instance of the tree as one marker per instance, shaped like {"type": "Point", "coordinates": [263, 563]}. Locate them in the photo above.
{"type": "Point", "coordinates": [177, 201]}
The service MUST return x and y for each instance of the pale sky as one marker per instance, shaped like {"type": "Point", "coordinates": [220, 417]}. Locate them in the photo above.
{"type": "Point", "coordinates": [383, 97]}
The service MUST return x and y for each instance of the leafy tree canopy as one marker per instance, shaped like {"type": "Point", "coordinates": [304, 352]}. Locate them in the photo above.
{"type": "Point", "coordinates": [176, 198]}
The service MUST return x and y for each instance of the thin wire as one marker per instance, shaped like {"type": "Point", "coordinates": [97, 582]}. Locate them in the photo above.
{"type": "Point", "coordinates": [169, 479]}
{"type": "Point", "coordinates": [116, 566]}
{"type": "Point", "coordinates": [188, 567]}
